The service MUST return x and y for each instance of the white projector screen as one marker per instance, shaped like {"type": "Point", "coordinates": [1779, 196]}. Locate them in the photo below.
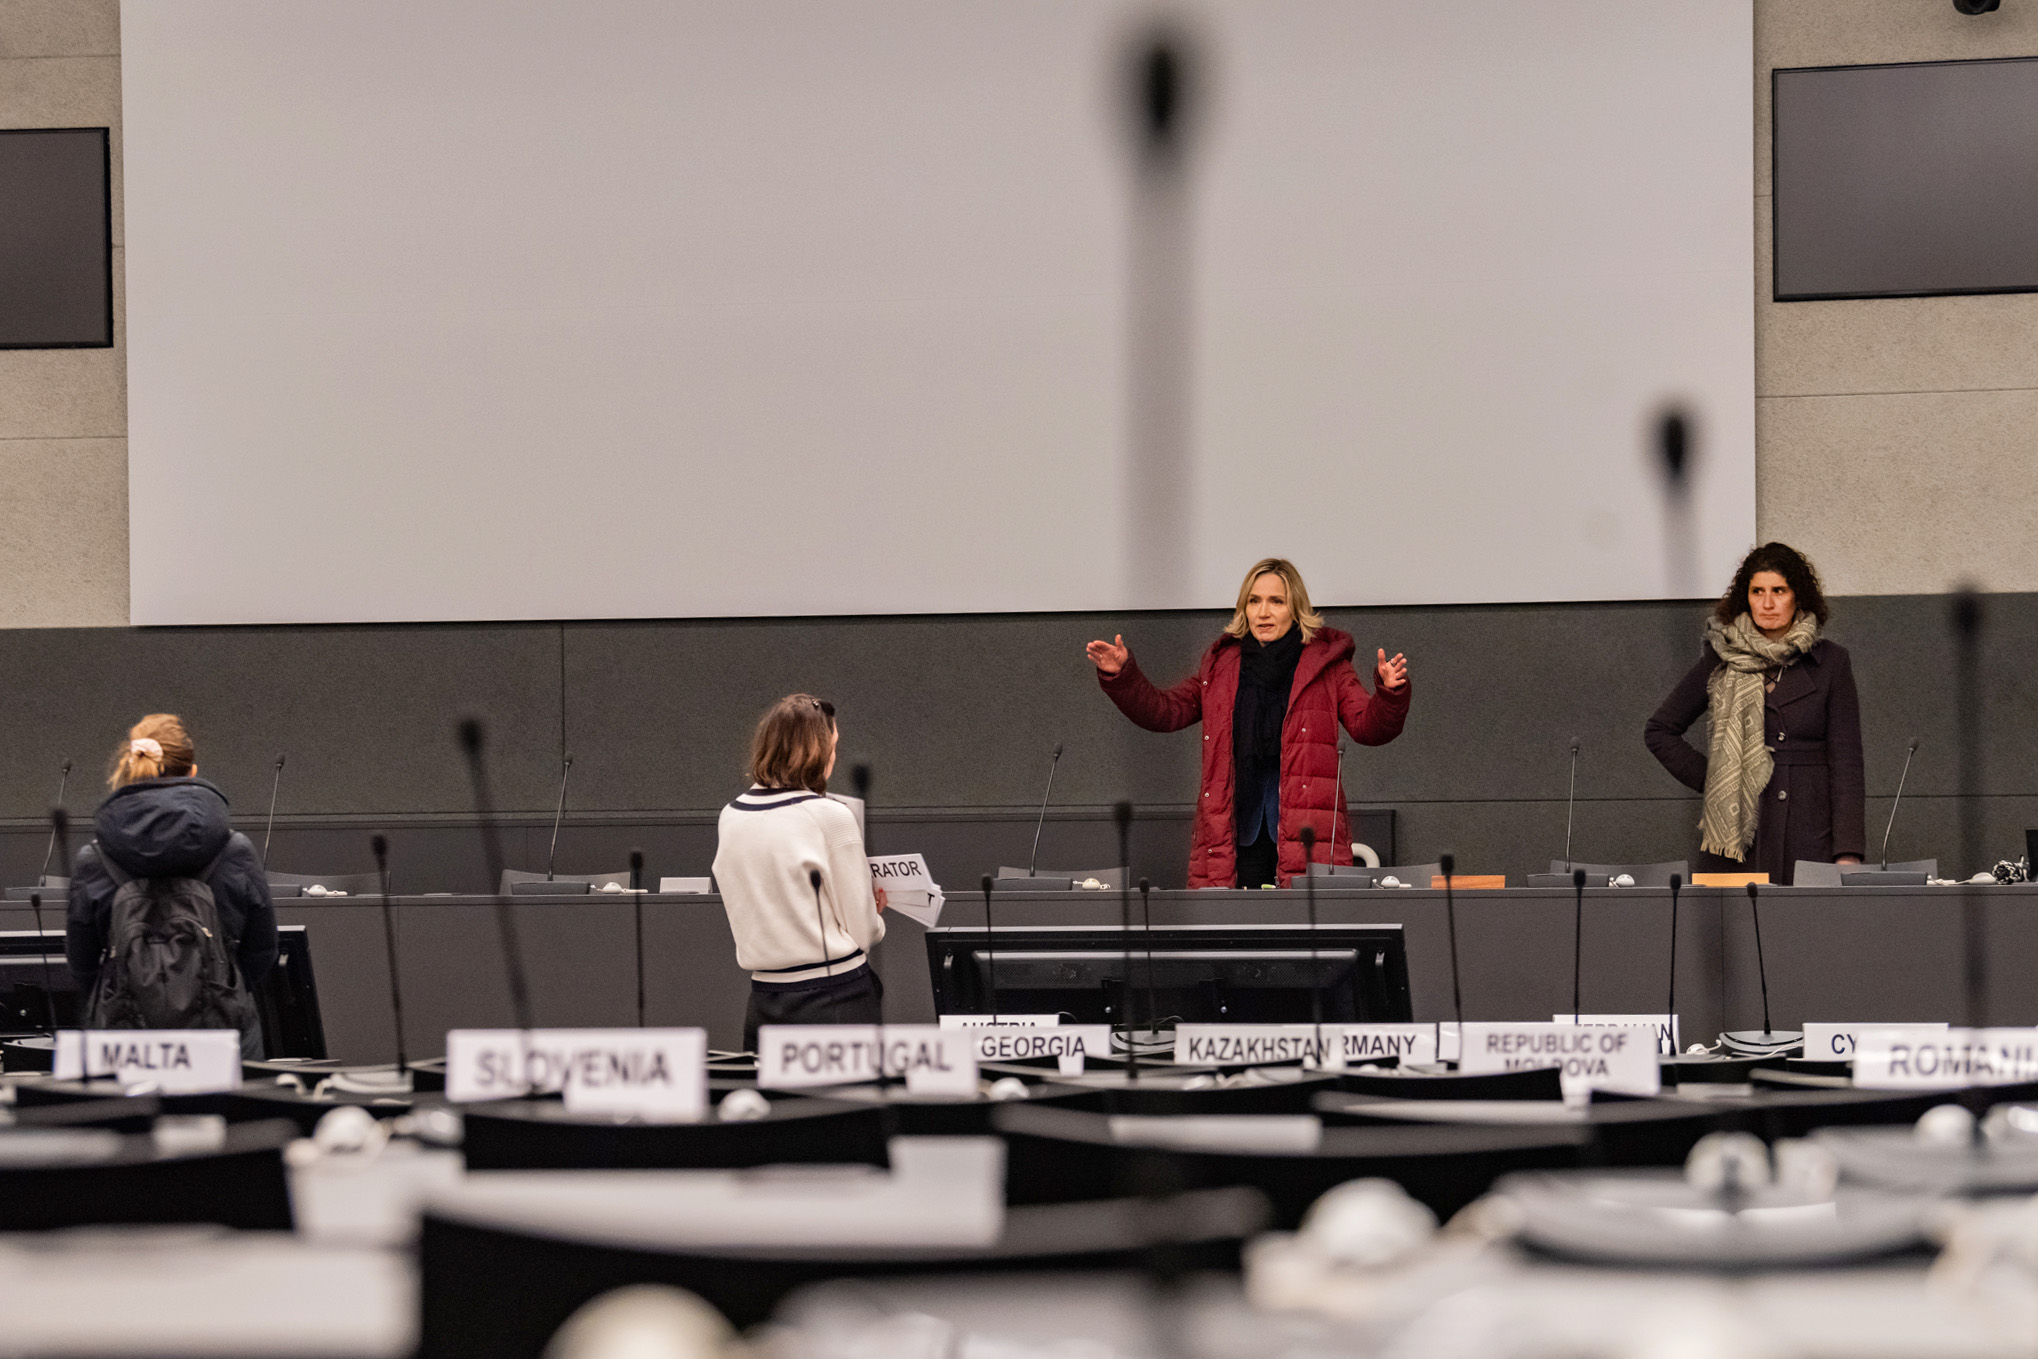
{"type": "Point", "coordinates": [500, 309]}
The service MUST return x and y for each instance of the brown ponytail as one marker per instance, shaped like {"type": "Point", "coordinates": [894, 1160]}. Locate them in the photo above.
{"type": "Point", "coordinates": [134, 760]}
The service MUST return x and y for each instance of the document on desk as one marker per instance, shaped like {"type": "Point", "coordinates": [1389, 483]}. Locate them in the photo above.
{"type": "Point", "coordinates": [909, 888]}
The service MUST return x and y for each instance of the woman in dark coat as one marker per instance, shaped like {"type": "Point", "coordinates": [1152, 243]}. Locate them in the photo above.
{"type": "Point", "coordinates": [1271, 693]}
{"type": "Point", "coordinates": [1781, 773]}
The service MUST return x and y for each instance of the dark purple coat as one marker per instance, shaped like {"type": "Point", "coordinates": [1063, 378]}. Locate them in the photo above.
{"type": "Point", "coordinates": [1814, 805]}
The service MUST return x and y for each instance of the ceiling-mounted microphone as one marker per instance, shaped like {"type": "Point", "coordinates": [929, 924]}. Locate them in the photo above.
{"type": "Point", "coordinates": [380, 845]}
{"type": "Point", "coordinates": [1052, 762]}
{"type": "Point", "coordinates": [558, 815]}
{"type": "Point", "coordinates": [1897, 801]}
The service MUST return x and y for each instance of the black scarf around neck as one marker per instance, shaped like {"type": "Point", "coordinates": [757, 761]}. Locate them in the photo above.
{"type": "Point", "coordinates": [1265, 675]}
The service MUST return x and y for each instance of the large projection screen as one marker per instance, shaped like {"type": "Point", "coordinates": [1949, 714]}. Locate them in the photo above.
{"type": "Point", "coordinates": [492, 309]}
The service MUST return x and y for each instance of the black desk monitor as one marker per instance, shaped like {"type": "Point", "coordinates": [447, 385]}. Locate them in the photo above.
{"type": "Point", "coordinates": [1201, 974]}
{"type": "Point", "coordinates": [287, 999]}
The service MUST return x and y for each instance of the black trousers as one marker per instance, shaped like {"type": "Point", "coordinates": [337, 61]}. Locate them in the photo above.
{"type": "Point", "coordinates": [1259, 862]}
{"type": "Point", "coordinates": [855, 997]}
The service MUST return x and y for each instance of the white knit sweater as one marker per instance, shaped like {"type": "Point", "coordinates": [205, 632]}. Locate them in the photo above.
{"type": "Point", "coordinates": [770, 842]}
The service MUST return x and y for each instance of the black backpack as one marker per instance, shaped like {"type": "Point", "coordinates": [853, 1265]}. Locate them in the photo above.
{"type": "Point", "coordinates": [168, 963]}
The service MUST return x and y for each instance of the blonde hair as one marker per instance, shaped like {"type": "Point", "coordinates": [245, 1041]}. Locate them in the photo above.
{"type": "Point", "coordinates": [794, 739]}
{"type": "Point", "coordinates": [156, 747]}
{"type": "Point", "coordinates": [1307, 618]}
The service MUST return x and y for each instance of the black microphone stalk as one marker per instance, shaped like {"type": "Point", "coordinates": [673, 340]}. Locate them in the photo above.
{"type": "Point", "coordinates": [1967, 620]}
{"type": "Point", "coordinates": [637, 900]}
{"type": "Point", "coordinates": [1577, 935]}
{"type": "Point", "coordinates": [49, 986]}
{"type": "Point", "coordinates": [860, 777]}
{"type": "Point", "coordinates": [1034, 859]}
{"type": "Point", "coordinates": [1449, 864]}
{"type": "Point", "coordinates": [60, 832]}
{"type": "Point", "coordinates": [269, 828]}
{"type": "Point", "coordinates": [1153, 1009]}
{"type": "Point", "coordinates": [1122, 814]}
{"type": "Point", "coordinates": [552, 854]}
{"type": "Point", "coordinates": [1670, 1005]}
{"type": "Point", "coordinates": [1897, 801]}
{"type": "Point", "coordinates": [471, 741]}
{"type": "Point", "coordinates": [991, 947]}
{"type": "Point", "coordinates": [1761, 968]}
{"type": "Point", "coordinates": [63, 781]}
{"type": "Point", "coordinates": [1308, 837]}
{"type": "Point", "coordinates": [1571, 804]}
{"type": "Point", "coordinates": [380, 844]}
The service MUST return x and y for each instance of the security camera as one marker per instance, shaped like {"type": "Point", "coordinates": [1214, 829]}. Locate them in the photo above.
{"type": "Point", "coordinates": [1976, 6]}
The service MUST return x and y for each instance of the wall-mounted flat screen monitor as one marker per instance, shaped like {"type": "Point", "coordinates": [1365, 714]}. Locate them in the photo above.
{"type": "Point", "coordinates": [1196, 974]}
{"type": "Point", "coordinates": [1906, 181]}
{"type": "Point", "coordinates": [33, 974]}
{"type": "Point", "coordinates": [56, 239]}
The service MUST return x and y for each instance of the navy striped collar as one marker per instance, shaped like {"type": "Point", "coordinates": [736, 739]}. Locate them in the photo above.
{"type": "Point", "coordinates": [770, 799]}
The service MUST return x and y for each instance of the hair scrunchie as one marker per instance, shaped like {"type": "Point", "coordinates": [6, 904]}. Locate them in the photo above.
{"type": "Point", "coordinates": [147, 745]}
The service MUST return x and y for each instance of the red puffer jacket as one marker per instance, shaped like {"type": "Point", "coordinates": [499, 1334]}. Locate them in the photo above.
{"type": "Point", "coordinates": [1326, 690]}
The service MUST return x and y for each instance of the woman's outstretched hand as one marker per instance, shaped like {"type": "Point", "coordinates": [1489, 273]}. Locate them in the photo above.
{"type": "Point", "coordinates": [1392, 674]}
{"type": "Point", "coordinates": [1109, 657]}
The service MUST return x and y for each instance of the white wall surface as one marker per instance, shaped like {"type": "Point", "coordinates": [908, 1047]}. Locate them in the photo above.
{"type": "Point", "coordinates": [466, 309]}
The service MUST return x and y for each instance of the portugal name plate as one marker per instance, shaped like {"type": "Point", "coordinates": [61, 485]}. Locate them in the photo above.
{"type": "Point", "coordinates": [933, 1060]}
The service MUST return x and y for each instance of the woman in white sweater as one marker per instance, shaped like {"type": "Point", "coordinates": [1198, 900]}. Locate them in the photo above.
{"type": "Point", "coordinates": [795, 881]}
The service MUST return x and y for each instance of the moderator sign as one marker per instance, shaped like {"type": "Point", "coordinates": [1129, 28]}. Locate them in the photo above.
{"type": "Point", "coordinates": [652, 1073]}
{"type": "Point", "coordinates": [1588, 1056]}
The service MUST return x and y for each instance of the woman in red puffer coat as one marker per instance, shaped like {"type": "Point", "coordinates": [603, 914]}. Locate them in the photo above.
{"type": "Point", "coordinates": [1271, 694]}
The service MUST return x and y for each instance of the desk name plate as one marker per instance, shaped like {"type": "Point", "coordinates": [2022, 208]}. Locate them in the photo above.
{"type": "Point", "coordinates": [1250, 1044]}
{"type": "Point", "coordinates": [1588, 1057]}
{"type": "Point", "coordinates": [651, 1073]}
{"type": "Point", "coordinates": [934, 1061]}
{"type": "Point", "coordinates": [1909, 1058]}
{"type": "Point", "coordinates": [1836, 1042]}
{"type": "Point", "coordinates": [174, 1061]}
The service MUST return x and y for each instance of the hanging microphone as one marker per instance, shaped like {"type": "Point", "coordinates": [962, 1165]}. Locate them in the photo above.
{"type": "Point", "coordinates": [552, 854]}
{"type": "Point", "coordinates": [637, 900]}
{"type": "Point", "coordinates": [491, 848]}
{"type": "Point", "coordinates": [1670, 1005]}
{"type": "Point", "coordinates": [63, 780]}
{"type": "Point", "coordinates": [1052, 762]}
{"type": "Point", "coordinates": [1577, 934]}
{"type": "Point", "coordinates": [1308, 836]}
{"type": "Point", "coordinates": [1570, 804]}
{"type": "Point", "coordinates": [269, 829]}
{"type": "Point", "coordinates": [380, 844]}
{"type": "Point", "coordinates": [1761, 969]}
{"type": "Point", "coordinates": [1897, 801]}
{"type": "Point", "coordinates": [1448, 863]}
{"type": "Point", "coordinates": [1153, 1009]}
{"type": "Point", "coordinates": [1122, 814]}
{"type": "Point", "coordinates": [991, 947]}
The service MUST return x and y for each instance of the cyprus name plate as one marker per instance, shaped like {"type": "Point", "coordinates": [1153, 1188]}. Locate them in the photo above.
{"type": "Point", "coordinates": [174, 1061]}
{"type": "Point", "coordinates": [653, 1073]}
{"type": "Point", "coordinates": [1836, 1042]}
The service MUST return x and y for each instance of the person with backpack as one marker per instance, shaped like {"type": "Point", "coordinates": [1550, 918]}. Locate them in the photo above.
{"type": "Point", "coordinates": [170, 925]}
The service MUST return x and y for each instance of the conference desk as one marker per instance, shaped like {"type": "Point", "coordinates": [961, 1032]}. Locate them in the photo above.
{"type": "Point", "coordinates": [1834, 954]}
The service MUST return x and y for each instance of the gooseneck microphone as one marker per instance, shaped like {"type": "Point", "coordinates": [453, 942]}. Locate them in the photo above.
{"type": "Point", "coordinates": [1034, 859]}
{"type": "Point", "coordinates": [1577, 934]}
{"type": "Point", "coordinates": [991, 947]}
{"type": "Point", "coordinates": [637, 901]}
{"type": "Point", "coordinates": [1670, 1005]}
{"type": "Point", "coordinates": [1571, 804]}
{"type": "Point", "coordinates": [63, 781]}
{"type": "Point", "coordinates": [471, 741]}
{"type": "Point", "coordinates": [1308, 837]}
{"type": "Point", "coordinates": [380, 844]}
{"type": "Point", "coordinates": [820, 922]}
{"type": "Point", "coordinates": [1897, 801]}
{"type": "Point", "coordinates": [1967, 619]}
{"type": "Point", "coordinates": [1122, 814]}
{"type": "Point", "coordinates": [1761, 968]}
{"type": "Point", "coordinates": [552, 854]}
{"type": "Point", "coordinates": [269, 828]}
{"type": "Point", "coordinates": [1448, 863]}
{"type": "Point", "coordinates": [60, 833]}
{"type": "Point", "coordinates": [49, 987]}
{"type": "Point", "coordinates": [1153, 1009]}
{"type": "Point", "coordinates": [859, 777]}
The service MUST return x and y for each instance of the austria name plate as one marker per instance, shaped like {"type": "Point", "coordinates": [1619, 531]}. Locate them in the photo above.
{"type": "Point", "coordinates": [652, 1073]}
{"type": "Point", "coordinates": [173, 1061]}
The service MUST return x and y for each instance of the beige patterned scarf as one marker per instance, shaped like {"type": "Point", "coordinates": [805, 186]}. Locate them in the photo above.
{"type": "Point", "coordinates": [1739, 763]}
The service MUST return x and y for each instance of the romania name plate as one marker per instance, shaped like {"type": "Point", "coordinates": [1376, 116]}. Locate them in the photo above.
{"type": "Point", "coordinates": [1837, 1042]}
{"type": "Point", "coordinates": [1588, 1057]}
{"type": "Point", "coordinates": [1906, 1058]}
{"type": "Point", "coordinates": [173, 1061]}
{"type": "Point", "coordinates": [934, 1061]}
{"type": "Point", "coordinates": [653, 1073]}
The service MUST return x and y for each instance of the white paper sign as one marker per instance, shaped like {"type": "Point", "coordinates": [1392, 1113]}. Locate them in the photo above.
{"type": "Point", "coordinates": [1080, 1041]}
{"type": "Point", "coordinates": [798, 1056]}
{"type": "Point", "coordinates": [1000, 1021]}
{"type": "Point", "coordinates": [1836, 1042]}
{"type": "Point", "coordinates": [175, 1061]}
{"type": "Point", "coordinates": [1252, 1044]}
{"type": "Point", "coordinates": [1588, 1057]}
{"type": "Point", "coordinates": [659, 1073]}
{"type": "Point", "coordinates": [1448, 1044]}
{"type": "Point", "coordinates": [1376, 1042]}
{"type": "Point", "coordinates": [909, 888]}
{"type": "Point", "coordinates": [1668, 1036]}
{"type": "Point", "coordinates": [1907, 1058]}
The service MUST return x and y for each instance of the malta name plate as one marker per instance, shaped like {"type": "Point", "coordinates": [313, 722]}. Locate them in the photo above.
{"type": "Point", "coordinates": [652, 1073]}
{"type": "Point", "coordinates": [1668, 1039]}
{"type": "Point", "coordinates": [1588, 1057]}
{"type": "Point", "coordinates": [174, 1061]}
{"type": "Point", "coordinates": [1908, 1058]}
{"type": "Point", "coordinates": [1836, 1042]}
{"type": "Point", "coordinates": [934, 1061]}
{"type": "Point", "coordinates": [1068, 1044]}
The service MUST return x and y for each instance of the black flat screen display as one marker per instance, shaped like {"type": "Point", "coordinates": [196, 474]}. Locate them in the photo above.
{"type": "Point", "coordinates": [56, 239]}
{"type": "Point", "coordinates": [1906, 181]}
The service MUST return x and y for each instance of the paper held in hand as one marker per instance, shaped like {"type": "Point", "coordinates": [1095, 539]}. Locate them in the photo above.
{"type": "Point", "coordinates": [172, 1061]}
{"type": "Point", "coordinates": [909, 888]}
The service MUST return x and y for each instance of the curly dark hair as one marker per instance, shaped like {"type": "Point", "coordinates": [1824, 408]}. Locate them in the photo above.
{"type": "Point", "coordinates": [1785, 561]}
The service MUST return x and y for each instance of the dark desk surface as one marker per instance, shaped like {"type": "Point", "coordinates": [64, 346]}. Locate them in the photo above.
{"type": "Point", "coordinates": [1850, 954]}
